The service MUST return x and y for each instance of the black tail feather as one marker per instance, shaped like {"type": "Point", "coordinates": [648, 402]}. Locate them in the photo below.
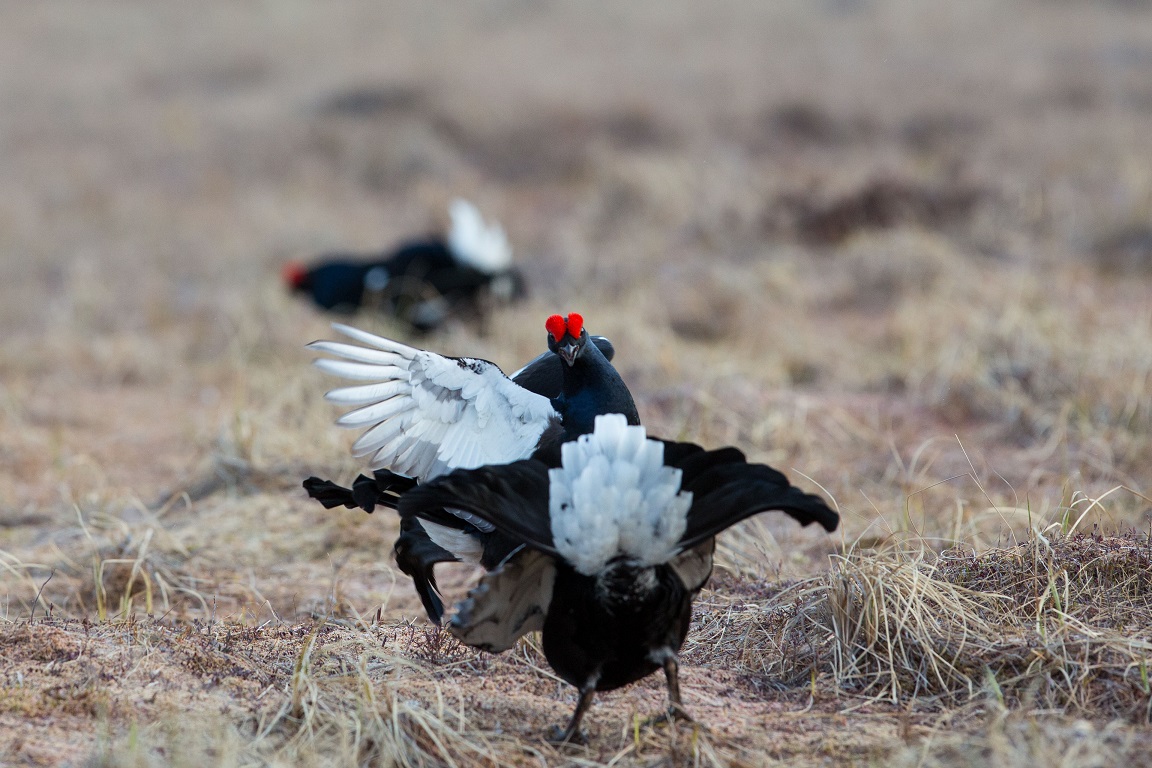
{"type": "Point", "coordinates": [384, 489]}
{"type": "Point", "coordinates": [329, 494]}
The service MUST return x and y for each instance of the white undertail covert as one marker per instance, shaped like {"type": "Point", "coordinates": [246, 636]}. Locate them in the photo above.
{"type": "Point", "coordinates": [613, 496]}
{"type": "Point", "coordinates": [475, 242]}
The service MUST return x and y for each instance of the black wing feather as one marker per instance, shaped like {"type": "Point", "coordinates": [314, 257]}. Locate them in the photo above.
{"type": "Point", "coordinates": [416, 554]}
{"type": "Point", "coordinates": [512, 497]}
{"type": "Point", "coordinates": [693, 461]}
{"type": "Point", "coordinates": [726, 492]}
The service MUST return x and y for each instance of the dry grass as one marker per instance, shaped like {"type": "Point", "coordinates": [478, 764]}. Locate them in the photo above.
{"type": "Point", "coordinates": [897, 249]}
{"type": "Point", "coordinates": [328, 693]}
{"type": "Point", "coordinates": [1056, 623]}
{"type": "Point", "coordinates": [1023, 739]}
{"type": "Point", "coordinates": [324, 695]}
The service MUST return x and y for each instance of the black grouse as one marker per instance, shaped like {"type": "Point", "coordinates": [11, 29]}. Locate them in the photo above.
{"type": "Point", "coordinates": [422, 282]}
{"type": "Point", "coordinates": [617, 538]}
{"type": "Point", "coordinates": [427, 414]}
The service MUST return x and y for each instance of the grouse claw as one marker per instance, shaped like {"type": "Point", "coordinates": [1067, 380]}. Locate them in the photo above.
{"type": "Point", "coordinates": [559, 736]}
{"type": "Point", "coordinates": [674, 712]}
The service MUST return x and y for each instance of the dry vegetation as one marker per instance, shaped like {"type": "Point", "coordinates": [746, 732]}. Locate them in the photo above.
{"type": "Point", "coordinates": [901, 250]}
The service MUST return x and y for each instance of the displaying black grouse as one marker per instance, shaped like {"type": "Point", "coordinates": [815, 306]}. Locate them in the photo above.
{"type": "Point", "coordinates": [616, 540]}
{"type": "Point", "coordinates": [421, 282]}
{"type": "Point", "coordinates": [426, 414]}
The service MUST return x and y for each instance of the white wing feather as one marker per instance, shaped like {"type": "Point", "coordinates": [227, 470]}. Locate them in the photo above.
{"type": "Point", "coordinates": [424, 414]}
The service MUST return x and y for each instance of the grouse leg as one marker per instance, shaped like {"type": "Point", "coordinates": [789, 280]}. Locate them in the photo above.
{"type": "Point", "coordinates": [675, 711]}
{"type": "Point", "coordinates": [675, 706]}
{"type": "Point", "coordinates": [572, 734]}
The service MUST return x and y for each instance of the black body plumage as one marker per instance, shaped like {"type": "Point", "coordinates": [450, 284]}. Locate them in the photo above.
{"type": "Point", "coordinates": [647, 609]}
{"type": "Point", "coordinates": [590, 387]}
{"type": "Point", "coordinates": [420, 282]}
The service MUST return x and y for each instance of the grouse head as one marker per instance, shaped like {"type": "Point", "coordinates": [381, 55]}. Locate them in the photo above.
{"type": "Point", "coordinates": [296, 276]}
{"type": "Point", "coordinates": [567, 337]}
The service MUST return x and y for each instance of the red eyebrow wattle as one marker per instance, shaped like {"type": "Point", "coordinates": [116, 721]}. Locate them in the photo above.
{"type": "Point", "coordinates": [575, 325]}
{"type": "Point", "coordinates": [555, 326]}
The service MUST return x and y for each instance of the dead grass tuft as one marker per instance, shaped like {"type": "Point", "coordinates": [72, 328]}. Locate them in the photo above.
{"type": "Point", "coordinates": [338, 711]}
{"type": "Point", "coordinates": [1060, 623]}
{"type": "Point", "coordinates": [321, 695]}
{"type": "Point", "coordinates": [1106, 578]}
{"type": "Point", "coordinates": [105, 566]}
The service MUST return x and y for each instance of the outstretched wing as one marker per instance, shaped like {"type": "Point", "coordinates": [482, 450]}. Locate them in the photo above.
{"type": "Point", "coordinates": [693, 566]}
{"type": "Point", "coordinates": [424, 414]}
{"type": "Point", "coordinates": [512, 497]}
{"type": "Point", "coordinates": [726, 489]}
{"type": "Point", "coordinates": [510, 601]}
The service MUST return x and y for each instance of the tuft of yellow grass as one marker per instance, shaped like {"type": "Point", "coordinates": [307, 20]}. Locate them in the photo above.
{"type": "Point", "coordinates": [1063, 623]}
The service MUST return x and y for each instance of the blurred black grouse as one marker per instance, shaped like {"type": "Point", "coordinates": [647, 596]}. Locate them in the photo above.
{"type": "Point", "coordinates": [422, 282]}
{"type": "Point", "coordinates": [617, 538]}
{"type": "Point", "coordinates": [426, 414]}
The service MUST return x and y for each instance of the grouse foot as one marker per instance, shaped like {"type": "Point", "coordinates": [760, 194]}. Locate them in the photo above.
{"type": "Point", "coordinates": [560, 736]}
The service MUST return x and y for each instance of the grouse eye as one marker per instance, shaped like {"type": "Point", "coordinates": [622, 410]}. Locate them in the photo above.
{"type": "Point", "coordinates": [555, 327]}
{"type": "Point", "coordinates": [575, 325]}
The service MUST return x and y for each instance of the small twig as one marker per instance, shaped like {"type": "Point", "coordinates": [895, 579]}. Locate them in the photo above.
{"type": "Point", "coordinates": [38, 593]}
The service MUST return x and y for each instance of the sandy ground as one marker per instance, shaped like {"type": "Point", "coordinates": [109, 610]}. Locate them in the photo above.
{"type": "Point", "coordinates": [901, 251]}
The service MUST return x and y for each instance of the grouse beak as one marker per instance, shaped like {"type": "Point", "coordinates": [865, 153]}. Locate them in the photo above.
{"type": "Point", "coordinates": [568, 352]}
